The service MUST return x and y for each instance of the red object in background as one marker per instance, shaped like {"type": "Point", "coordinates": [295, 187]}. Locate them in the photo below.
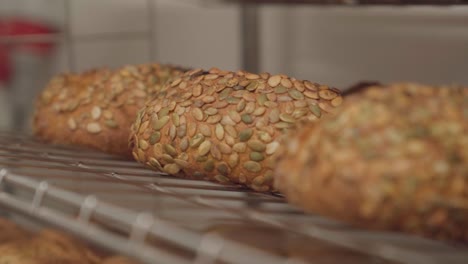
{"type": "Point", "coordinates": [21, 27]}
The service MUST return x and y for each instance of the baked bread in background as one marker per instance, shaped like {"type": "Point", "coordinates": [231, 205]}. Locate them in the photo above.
{"type": "Point", "coordinates": [394, 157]}
{"type": "Point", "coordinates": [18, 246]}
{"type": "Point", "coordinates": [225, 126]}
{"type": "Point", "coordinates": [96, 108]}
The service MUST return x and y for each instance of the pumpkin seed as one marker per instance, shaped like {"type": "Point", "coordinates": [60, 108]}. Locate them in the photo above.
{"type": "Point", "coordinates": [256, 145]}
{"type": "Point", "coordinates": [169, 149]}
{"type": "Point", "coordinates": [161, 123]}
{"type": "Point", "coordinates": [252, 166]}
{"type": "Point", "coordinates": [204, 148]}
{"type": "Point", "coordinates": [245, 134]}
{"type": "Point", "coordinates": [256, 156]}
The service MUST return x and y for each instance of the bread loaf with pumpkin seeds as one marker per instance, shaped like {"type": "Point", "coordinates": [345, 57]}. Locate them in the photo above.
{"type": "Point", "coordinates": [394, 158]}
{"type": "Point", "coordinates": [96, 108]}
{"type": "Point", "coordinates": [225, 126]}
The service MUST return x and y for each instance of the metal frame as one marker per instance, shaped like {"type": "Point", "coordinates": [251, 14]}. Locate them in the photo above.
{"type": "Point", "coordinates": [154, 218]}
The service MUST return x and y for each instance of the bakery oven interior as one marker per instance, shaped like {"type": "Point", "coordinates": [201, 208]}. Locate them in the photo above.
{"type": "Point", "coordinates": [120, 207]}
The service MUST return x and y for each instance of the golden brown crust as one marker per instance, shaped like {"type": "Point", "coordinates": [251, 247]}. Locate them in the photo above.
{"type": "Point", "coordinates": [47, 247]}
{"type": "Point", "coordinates": [225, 126]}
{"type": "Point", "coordinates": [96, 108]}
{"type": "Point", "coordinates": [394, 158]}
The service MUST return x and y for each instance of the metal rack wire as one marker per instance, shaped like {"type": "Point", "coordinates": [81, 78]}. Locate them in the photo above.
{"type": "Point", "coordinates": [154, 218]}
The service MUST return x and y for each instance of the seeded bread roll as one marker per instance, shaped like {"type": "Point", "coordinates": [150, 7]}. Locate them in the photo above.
{"type": "Point", "coordinates": [96, 108]}
{"type": "Point", "coordinates": [45, 248]}
{"type": "Point", "coordinates": [393, 158]}
{"type": "Point", "coordinates": [225, 126]}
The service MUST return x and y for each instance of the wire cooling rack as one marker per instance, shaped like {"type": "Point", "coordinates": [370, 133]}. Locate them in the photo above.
{"type": "Point", "coordinates": [123, 207]}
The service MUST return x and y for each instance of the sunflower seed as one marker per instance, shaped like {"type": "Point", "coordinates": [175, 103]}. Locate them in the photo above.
{"type": "Point", "coordinates": [184, 144]}
{"type": "Point", "coordinates": [96, 112]}
{"type": "Point", "coordinates": [204, 148]}
{"type": "Point", "coordinates": [211, 111]}
{"type": "Point", "coordinates": [270, 104]}
{"type": "Point", "coordinates": [197, 90]}
{"type": "Point", "coordinates": [211, 76]}
{"type": "Point", "coordinates": [165, 158]}
{"type": "Point", "coordinates": [312, 95]}
{"type": "Point", "coordinates": [229, 140]}
{"type": "Point", "coordinates": [219, 131]}
{"type": "Point", "coordinates": [299, 86]}
{"type": "Point", "coordinates": [232, 100]}
{"type": "Point", "coordinates": [235, 116]}
{"type": "Point", "coordinates": [93, 128]}
{"type": "Point", "coordinates": [143, 144]}
{"type": "Point", "coordinates": [153, 162]}
{"type": "Point", "coordinates": [141, 155]}
{"type": "Point", "coordinates": [251, 76]}
{"type": "Point", "coordinates": [299, 104]}
{"type": "Point", "coordinates": [337, 101]}
{"type": "Point", "coordinates": [287, 118]}
{"type": "Point", "coordinates": [205, 130]}
{"type": "Point", "coordinates": [226, 120]}
{"type": "Point", "coordinates": [196, 140]}
{"type": "Point", "coordinates": [327, 94]}
{"type": "Point", "coordinates": [231, 130]}
{"type": "Point", "coordinates": [208, 99]}
{"type": "Point", "coordinates": [272, 147]}
{"type": "Point", "coordinates": [215, 152]}
{"type": "Point", "coordinates": [182, 163]}
{"type": "Point", "coordinates": [240, 106]}
{"type": "Point", "coordinates": [225, 148]}
{"type": "Point", "coordinates": [201, 158]}
{"type": "Point", "coordinates": [274, 80]}
{"type": "Point", "coordinates": [233, 160]}
{"type": "Point", "coordinates": [191, 129]}
{"type": "Point", "coordinates": [240, 147]}
{"type": "Point", "coordinates": [169, 149]}
{"type": "Point", "coordinates": [172, 168]}
{"type": "Point", "coordinates": [160, 123]}
{"type": "Point", "coordinates": [274, 116]}
{"type": "Point", "coordinates": [265, 137]}
{"type": "Point", "coordinates": [197, 113]}
{"type": "Point", "coordinates": [282, 125]}
{"type": "Point", "coordinates": [213, 119]}
{"type": "Point", "coordinates": [71, 123]}
{"type": "Point", "coordinates": [259, 111]}
{"type": "Point", "coordinates": [157, 149]}
{"type": "Point", "coordinates": [175, 119]}
{"type": "Point", "coordinates": [252, 166]}
{"type": "Point", "coordinates": [182, 131]}
{"type": "Point", "coordinates": [261, 99]}
{"type": "Point", "coordinates": [286, 83]}
{"type": "Point", "coordinates": [271, 97]}
{"type": "Point", "coordinates": [221, 178]}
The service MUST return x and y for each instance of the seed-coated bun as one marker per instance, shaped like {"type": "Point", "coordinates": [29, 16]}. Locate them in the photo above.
{"type": "Point", "coordinates": [225, 126]}
{"type": "Point", "coordinates": [394, 157]}
{"type": "Point", "coordinates": [96, 108]}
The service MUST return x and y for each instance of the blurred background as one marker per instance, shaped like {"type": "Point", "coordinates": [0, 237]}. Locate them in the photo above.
{"type": "Point", "coordinates": [336, 45]}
